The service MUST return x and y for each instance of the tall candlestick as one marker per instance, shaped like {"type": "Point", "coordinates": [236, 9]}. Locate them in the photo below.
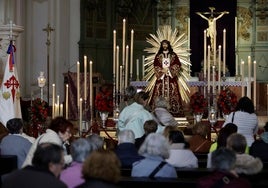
{"type": "Point", "coordinates": [80, 115]}
{"type": "Point", "coordinates": [91, 85]}
{"type": "Point", "coordinates": [85, 78]}
{"type": "Point", "coordinates": [235, 31]}
{"type": "Point", "coordinates": [224, 51]}
{"type": "Point", "coordinates": [255, 85]}
{"type": "Point", "coordinates": [114, 52]}
{"type": "Point", "coordinates": [142, 66]}
{"type": "Point", "coordinates": [236, 65]}
{"type": "Point", "coordinates": [78, 83]}
{"type": "Point", "coordinates": [66, 101]}
{"type": "Point", "coordinates": [205, 53]}
{"type": "Point", "coordinates": [242, 78]}
{"type": "Point", "coordinates": [117, 69]}
{"type": "Point", "coordinates": [53, 100]}
{"type": "Point", "coordinates": [58, 105]}
{"type": "Point", "coordinates": [61, 110]}
{"type": "Point", "coordinates": [219, 71]}
{"type": "Point", "coordinates": [131, 53]}
{"type": "Point", "coordinates": [213, 79]}
{"type": "Point", "coordinates": [214, 45]}
{"type": "Point", "coordinates": [126, 67]}
{"type": "Point", "coordinates": [121, 78]}
{"type": "Point", "coordinates": [189, 33]}
{"type": "Point", "coordinates": [137, 64]}
{"type": "Point", "coordinates": [208, 70]}
{"type": "Point", "coordinates": [249, 78]}
{"type": "Point", "coordinates": [124, 42]}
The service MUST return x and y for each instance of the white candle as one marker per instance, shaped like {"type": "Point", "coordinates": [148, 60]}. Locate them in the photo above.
{"type": "Point", "coordinates": [142, 66]}
{"type": "Point", "coordinates": [56, 109]}
{"type": "Point", "coordinates": [53, 100]}
{"type": "Point", "coordinates": [214, 45]}
{"type": "Point", "coordinates": [137, 64]}
{"type": "Point", "coordinates": [189, 33]}
{"type": "Point", "coordinates": [117, 69]}
{"type": "Point", "coordinates": [78, 83]}
{"type": "Point", "coordinates": [85, 78]}
{"type": "Point", "coordinates": [235, 31]}
{"type": "Point", "coordinates": [208, 70]}
{"type": "Point", "coordinates": [126, 67]}
{"type": "Point", "coordinates": [242, 78]}
{"type": "Point", "coordinates": [236, 65]}
{"type": "Point", "coordinates": [66, 101]}
{"type": "Point", "coordinates": [124, 42]}
{"type": "Point", "coordinates": [213, 79]}
{"type": "Point", "coordinates": [91, 85]}
{"type": "Point", "coordinates": [205, 53]}
{"type": "Point", "coordinates": [131, 53]}
{"type": "Point", "coordinates": [224, 51]}
{"type": "Point", "coordinates": [61, 110]}
{"type": "Point", "coordinates": [219, 70]}
{"type": "Point", "coordinates": [114, 52]}
{"type": "Point", "coordinates": [249, 78]}
{"type": "Point", "coordinates": [121, 78]}
{"type": "Point", "coordinates": [80, 115]}
{"type": "Point", "coordinates": [255, 85]}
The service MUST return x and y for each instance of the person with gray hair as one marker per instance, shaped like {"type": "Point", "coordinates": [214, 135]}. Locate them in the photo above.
{"type": "Point", "coordinates": [80, 150]}
{"type": "Point", "coordinates": [161, 114]}
{"type": "Point", "coordinates": [126, 150]}
{"type": "Point", "coordinates": [130, 92]}
{"type": "Point", "coordinates": [155, 149]}
{"type": "Point", "coordinates": [223, 162]}
{"type": "Point", "coordinates": [96, 140]}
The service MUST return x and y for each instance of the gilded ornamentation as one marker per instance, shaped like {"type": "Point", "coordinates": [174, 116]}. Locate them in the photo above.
{"type": "Point", "coordinates": [244, 19]}
{"type": "Point", "coordinates": [182, 15]}
{"type": "Point", "coordinates": [6, 95]}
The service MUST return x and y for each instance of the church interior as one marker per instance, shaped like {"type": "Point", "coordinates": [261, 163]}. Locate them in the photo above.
{"type": "Point", "coordinates": [69, 51]}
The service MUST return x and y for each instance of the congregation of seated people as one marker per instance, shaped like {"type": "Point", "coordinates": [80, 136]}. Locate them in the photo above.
{"type": "Point", "coordinates": [157, 152]}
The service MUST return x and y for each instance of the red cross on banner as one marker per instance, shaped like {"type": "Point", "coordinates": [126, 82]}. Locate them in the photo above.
{"type": "Point", "coordinates": [14, 84]}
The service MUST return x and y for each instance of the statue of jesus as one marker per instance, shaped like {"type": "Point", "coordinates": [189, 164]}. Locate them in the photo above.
{"type": "Point", "coordinates": [211, 30]}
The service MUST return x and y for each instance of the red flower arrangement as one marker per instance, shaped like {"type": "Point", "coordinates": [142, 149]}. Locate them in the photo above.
{"type": "Point", "coordinates": [227, 101]}
{"type": "Point", "coordinates": [198, 103]}
{"type": "Point", "coordinates": [38, 115]}
{"type": "Point", "coordinates": [104, 101]}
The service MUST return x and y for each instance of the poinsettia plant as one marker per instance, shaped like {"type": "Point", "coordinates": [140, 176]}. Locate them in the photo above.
{"type": "Point", "coordinates": [198, 103]}
{"type": "Point", "coordinates": [227, 101]}
{"type": "Point", "coordinates": [104, 101]}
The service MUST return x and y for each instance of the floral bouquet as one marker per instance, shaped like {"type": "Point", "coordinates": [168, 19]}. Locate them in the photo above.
{"type": "Point", "coordinates": [38, 115]}
{"type": "Point", "coordinates": [198, 103]}
{"type": "Point", "coordinates": [104, 101]}
{"type": "Point", "coordinates": [227, 101]}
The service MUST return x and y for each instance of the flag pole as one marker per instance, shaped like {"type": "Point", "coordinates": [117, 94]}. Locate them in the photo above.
{"type": "Point", "coordinates": [48, 30]}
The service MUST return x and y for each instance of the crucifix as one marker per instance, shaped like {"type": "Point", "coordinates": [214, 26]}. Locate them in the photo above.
{"type": "Point", "coordinates": [48, 30]}
{"type": "Point", "coordinates": [211, 30]}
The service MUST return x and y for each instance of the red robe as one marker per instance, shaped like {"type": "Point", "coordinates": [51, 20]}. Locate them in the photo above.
{"type": "Point", "coordinates": [167, 85]}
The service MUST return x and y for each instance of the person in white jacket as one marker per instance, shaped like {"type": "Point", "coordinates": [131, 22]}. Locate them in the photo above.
{"type": "Point", "coordinates": [58, 132]}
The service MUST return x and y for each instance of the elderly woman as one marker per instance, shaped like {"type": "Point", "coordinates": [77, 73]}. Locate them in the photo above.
{"type": "Point", "coordinates": [80, 150]}
{"type": "Point", "coordinates": [155, 149]}
{"type": "Point", "coordinates": [59, 132]}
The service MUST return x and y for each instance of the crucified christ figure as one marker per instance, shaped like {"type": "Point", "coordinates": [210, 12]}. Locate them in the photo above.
{"type": "Point", "coordinates": [211, 30]}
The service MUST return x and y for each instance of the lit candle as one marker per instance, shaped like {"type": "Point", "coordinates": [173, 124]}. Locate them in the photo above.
{"type": "Point", "coordinates": [137, 63]}
{"type": "Point", "coordinates": [126, 67]}
{"type": "Point", "coordinates": [142, 66]}
{"type": "Point", "coordinates": [114, 52]}
{"type": "Point", "coordinates": [85, 78]}
{"type": "Point", "coordinates": [56, 109]}
{"type": "Point", "coordinates": [214, 45]}
{"type": "Point", "coordinates": [78, 83]}
{"type": "Point", "coordinates": [219, 71]}
{"type": "Point", "coordinates": [205, 53]}
{"type": "Point", "coordinates": [208, 69]}
{"type": "Point", "coordinates": [255, 85]}
{"type": "Point", "coordinates": [80, 115]}
{"type": "Point", "coordinates": [66, 101]}
{"type": "Point", "coordinates": [58, 100]}
{"type": "Point", "coordinates": [91, 85]}
{"type": "Point", "coordinates": [121, 78]}
{"type": "Point", "coordinates": [249, 78]}
{"type": "Point", "coordinates": [235, 31]}
{"type": "Point", "coordinates": [189, 33]}
{"type": "Point", "coordinates": [213, 79]}
{"type": "Point", "coordinates": [224, 51]}
{"type": "Point", "coordinates": [53, 100]}
{"type": "Point", "coordinates": [242, 78]}
{"type": "Point", "coordinates": [131, 53]}
{"type": "Point", "coordinates": [117, 69]}
{"type": "Point", "coordinates": [61, 110]}
{"type": "Point", "coordinates": [124, 42]}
